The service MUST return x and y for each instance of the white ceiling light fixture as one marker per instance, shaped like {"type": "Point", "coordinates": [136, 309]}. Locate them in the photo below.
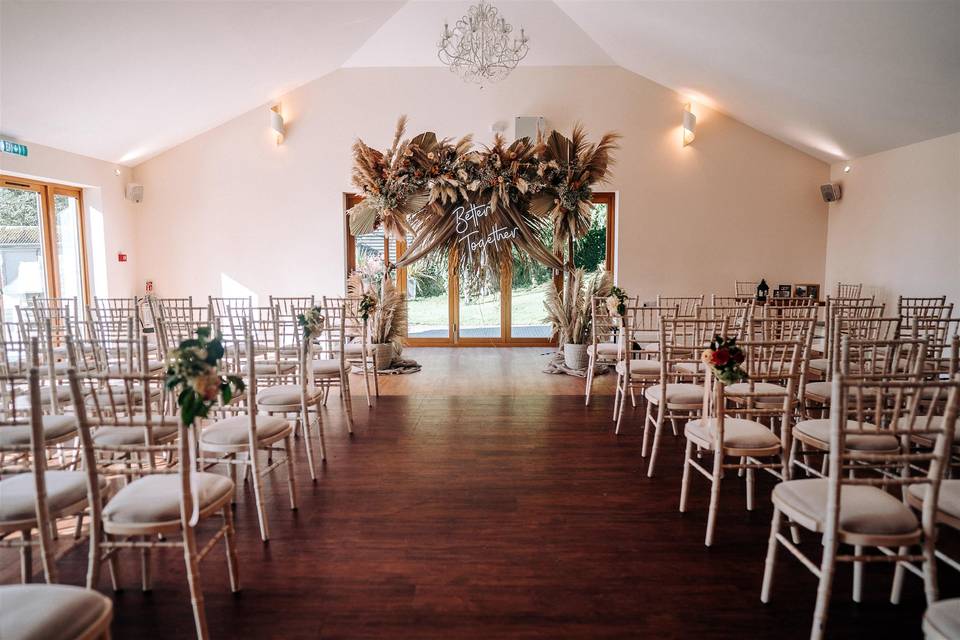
{"type": "Point", "coordinates": [276, 123]}
{"type": "Point", "coordinates": [479, 48]}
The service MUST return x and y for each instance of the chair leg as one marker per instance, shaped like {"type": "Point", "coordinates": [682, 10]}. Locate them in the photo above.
{"type": "Point", "coordinates": [827, 567]}
{"type": "Point", "coordinates": [291, 475]}
{"type": "Point", "coordinates": [857, 575]}
{"type": "Point", "coordinates": [193, 580]}
{"type": "Point", "coordinates": [647, 421]}
{"type": "Point", "coordinates": [618, 411]}
{"type": "Point", "coordinates": [930, 587]}
{"type": "Point", "coordinates": [633, 398]}
{"type": "Point", "coordinates": [366, 381]}
{"type": "Point", "coordinates": [376, 377]}
{"type": "Point", "coordinates": [93, 558]}
{"type": "Point", "coordinates": [146, 582]}
{"type": "Point", "coordinates": [26, 556]}
{"type": "Point", "coordinates": [231, 546]}
{"type": "Point", "coordinates": [616, 397]}
{"type": "Point", "coordinates": [47, 559]}
{"type": "Point", "coordinates": [656, 441]}
{"type": "Point", "coordinates": [258, 497]}
{"type": "Point", "coordinates": [113, 567]}
{"type": "Point", "coordinates": [308, 437]}
{"type": "Point", "coordinates": [714, 497]}
{"type": "Point", "coordinates": [347, 399]}
{"type": "Point", "coordinates": [589, 382]}
{"type": "Point", "coordinates": [685, 482]}
{"type": "Point", "coordinates": [898, 575]}
{"type": "Point", "coordinates": [771, 560]}
{"type": "Point", "coordinates": [751, 488]}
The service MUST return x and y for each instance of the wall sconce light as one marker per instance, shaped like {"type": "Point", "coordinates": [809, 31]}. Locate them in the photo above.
{"type": "Point", "coordinates": [276, 122]}
{"type": "Point", "coordinates": [689, 125]}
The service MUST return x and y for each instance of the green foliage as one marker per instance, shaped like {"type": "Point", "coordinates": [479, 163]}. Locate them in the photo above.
{"type": "Point", "coordinates": [192, 373]}
{"type": "Point", "coordinates": [590, 251]}
{"type": "Point", "coordinates": [312, 323]}
{"type": "Point", "coordinates": [18, 208]}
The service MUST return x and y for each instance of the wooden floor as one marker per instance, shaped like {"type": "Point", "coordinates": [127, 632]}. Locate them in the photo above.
{"type": "Point", "coordinates": [479, 498]}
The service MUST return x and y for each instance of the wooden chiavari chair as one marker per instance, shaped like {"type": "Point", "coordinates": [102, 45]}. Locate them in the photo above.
{"type": "Point", "coordinates": [679, 393]}
{"type": "Point", "coordinates": [637, 364]}
{"type": "Point", "coordinates": [687, 305]}
{"type": "Point", "coordinates": [220, 310]}
{"type": "Point", "coordinates": [737, 315]}
{"type": "Point", "coordinates": [292, 305]}
{"type": "Point", "coordinates": [357, 347]}
{"type": "Point", "coordinates": [849, 289]}
{"type": "Point", "coordinates": [852, 505]}
{"type": "Point", "coordinates": [717, 300]}
{"type": "Point", "coordinates": [930, 307]}
{"type": "Point", "coordinates": [330, 365]}
{"type": "Point", "coordinates": [158, 501]}
{"type": "Point", "coordinates": [737, 421]}
{"type": "Point", "coordinates": [67, 612]}
{"type": "Point", "coordinates": [840, 308]}
{"type": "Point", "coordinates": [746, 288]}
{"type": "Point", "coordinates": [249, 432]}
{"type": "Point", "coordinates": [603, 346]}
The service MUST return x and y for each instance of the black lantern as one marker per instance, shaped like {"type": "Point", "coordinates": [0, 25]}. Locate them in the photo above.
{"type": "Point", "coordinates": [762, 290]}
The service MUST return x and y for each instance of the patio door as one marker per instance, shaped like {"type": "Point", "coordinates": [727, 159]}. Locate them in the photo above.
{"type": "Point", "coordinates": [445, 310]}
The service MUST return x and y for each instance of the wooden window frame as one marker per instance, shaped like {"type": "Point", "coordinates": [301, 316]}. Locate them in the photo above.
{"type": "Point", "coordinates": [48, 191]}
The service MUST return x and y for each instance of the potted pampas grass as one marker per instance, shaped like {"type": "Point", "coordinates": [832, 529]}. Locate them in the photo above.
{"type": "Point", "coordinates": [570, 314]}
{"type": "Point", "coordinates": [384, 310]}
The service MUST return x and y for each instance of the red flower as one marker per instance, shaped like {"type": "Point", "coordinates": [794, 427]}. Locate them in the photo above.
{"type": "Point", "coordinates": [738, 357]}
{"type": "Point", "coordinates": [721, 357]}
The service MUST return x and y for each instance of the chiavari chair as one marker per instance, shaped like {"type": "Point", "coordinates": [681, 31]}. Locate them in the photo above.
{"type": "Point", "coordinates": [852, 506]}
{"type": "Point", "coordinates": [603, 346]}
{"type": "Point", "coordinates": [745, 288]}
{"type": "Point", "coordinates": [290, 306]}
{"type": "Point", "coordinates": [220, 310]}
{"type": "Point", "coordinates": [637, 365]}
{"type": "Point", "coordinates": [158, 305]}
{"type": "Point", "coordinates": [678, 393]}
{"type": "Point", "coordinates": [737, 315]}
{"type": "Point", "coordinates": [929, 307]}
{"type": "Point", "coordinates": [849, 289]}
{"type": "Point", "coordinates": [31, 496]}
{"type": "Point", "coordinates": [358, 348]}
{"type": "Point", "coordinates": [845, 307]}
{"type": "Point", "coordinates": [158, 501]}
{"type": "Point", "coordinates": [687, 305]}
{"type": "Point", "coordinates": [330, 365]}
{"type": "Point", "coordinates": [249, 432]}
{"type": "Point", "coordinates": [737, 421]}
{"type": "Point", "coordinates": [717, 300]}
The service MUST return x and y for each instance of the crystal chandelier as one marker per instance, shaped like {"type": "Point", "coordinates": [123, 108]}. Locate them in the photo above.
{"type": "Point", "coordinates": [480, 48]}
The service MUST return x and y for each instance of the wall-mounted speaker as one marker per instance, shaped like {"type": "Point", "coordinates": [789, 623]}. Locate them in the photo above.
{"type": "Point", "coordinates": [830, 191]}
{"type": "Point", "coordinates": [135, 192]}
{"type": "Point", "coordinates": [528, 127]}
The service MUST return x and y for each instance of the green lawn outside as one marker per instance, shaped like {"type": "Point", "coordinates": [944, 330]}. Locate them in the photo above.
{"type": "Point", "coordinates": [484, 311]}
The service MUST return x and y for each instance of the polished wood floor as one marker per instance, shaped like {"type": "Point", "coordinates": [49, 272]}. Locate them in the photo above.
{"type": "Point", "coordinates": [480, 498]}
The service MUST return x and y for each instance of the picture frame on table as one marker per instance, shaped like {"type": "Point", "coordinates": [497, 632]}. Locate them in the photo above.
{"type": "Point", "coordinates": [783, 291]}
{"type": "Point", "coordinates": [807, 291]}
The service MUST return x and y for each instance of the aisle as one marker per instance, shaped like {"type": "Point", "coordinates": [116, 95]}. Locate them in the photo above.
{"type": "Point", "coordinates": [458, 511]}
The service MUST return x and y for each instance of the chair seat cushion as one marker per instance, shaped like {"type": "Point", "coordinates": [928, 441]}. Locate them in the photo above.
{"type": "Point", "coordinates": [650, 346]}
{"type": "Point", "coordinates": [948, 502]}
{"type": "Point", "coordinates": [863, 509]}
{"type": "Point", "coordinates": [921, 423]}
{"type": "Point", "coordinates": [235, 430]}
{"type": "Point", "coordinates": [819, 390]}
{"type": "Point", "coordinates": [819, 364]}
{"type": "Point", "coordinates": [284, 395]}
{"type": "Point", "coordinates": [22, 401]}
{"type": "Point", "coordinates": [155, 499]}
{"type": "Point", "coordinates": [690, 368]}
{"type": "Point", "coordinates": [50, 611]}
{"type": "Point", "coordinates": [737, 433]}
{"type": "Point", "coordinates": [54, 428]}
{"type": "Point", "coordinates": [759, 388]}
{"type": "Point", "coordinates": [114, 436]}
{"type": "Point", "coordinates": [942, 620]}
{"type": "Point", "coordinates": [820, 430]}
{"type": "Point", "coordinates": [677, 394]}
{"type": "Point", "coordinates": [353, 348]}
{"type": "Point", "coordinates": [270, 368]}
{"type": "Point", "coordinates": [609, 349]}
{"type": "Point", "coordinates": [18, 493]}
{"type": "Point", "coordinates": [326, 367]}
{"type": "Point", "coordinates": [640, 366]}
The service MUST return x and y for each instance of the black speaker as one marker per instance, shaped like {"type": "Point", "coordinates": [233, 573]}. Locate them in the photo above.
{"type": "Point", "coordinates": [830, 191]}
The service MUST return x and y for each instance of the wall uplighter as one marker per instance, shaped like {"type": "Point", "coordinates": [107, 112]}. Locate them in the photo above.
{"type": "Point", "coordinates": [689, 125]}
{"type": "Point", "coordinates": [276, 122]}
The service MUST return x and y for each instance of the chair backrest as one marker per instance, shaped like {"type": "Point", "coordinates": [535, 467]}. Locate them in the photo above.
{"type": "Point", "coordinates": [290, 304]}
{"type": "Point", "coordinates": [682, 341]}
{"type": "Point", "coordinates": [781, 328]}
{"type": "Point", "coordinates": [717, 300]}
{"type": "Point", "coordinates": [173, 331]}
{"type": "Point", "coordinates": [30, 457]}
{"type": "Point", "coordinates": [941, 335]}
{"type": "Point", "coordinates": [737, 315]}
{"type": "Point", "coordinates": [641, 328]}
{"type": "Point", "coordinates": [259, 327]}
{"type": "Point", "coordinates": [687, 305]}
{"type": "Point", "coordinates": [746, 288]}
{"type": "Point", "coordinates": [115, 307]}
{"type": "Point", "coordinates": [930, 307]}
{"type": "Point", "coordinates": [904, 409]}
{"type": "Point", "coordinates": [355, 327]}
{"type": "Point", "coordinates": [330, 344]}
{"type": "Point", "coordinates": [849, 289]}
{"type": "Point", "coordinates": [603, 323]}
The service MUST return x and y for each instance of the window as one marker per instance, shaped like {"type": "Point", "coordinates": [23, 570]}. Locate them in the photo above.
{"type": "Point", "coordinates": [42, 243]}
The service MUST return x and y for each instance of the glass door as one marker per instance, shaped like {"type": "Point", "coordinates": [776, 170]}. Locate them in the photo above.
{"type": "Point", "coordinates": [479, 311]}
{"type": "Point", "coordinates": [42, 248]}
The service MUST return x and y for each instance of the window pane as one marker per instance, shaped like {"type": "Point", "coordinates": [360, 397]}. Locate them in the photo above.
{"type": "Point", "coordinates": [428, 309]}
{"type": "Point", "coordinates": [531, 280]}
{"type": "Point", "coordinates": [369, 251]}
{"type": "Point", "coordinates": [67, 235]}
{"type": "Point", "coordinates": [480, 309]}
{"type": "Point", "coordinates": [590, 251]}
{"type": "Point", "coordinates": [22, 275]}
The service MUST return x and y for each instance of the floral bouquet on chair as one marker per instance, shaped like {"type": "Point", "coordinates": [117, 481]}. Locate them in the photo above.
{"type": "Point", "coordinates": [617, 302]}
{"type": "Point", "coordinates": [724, 358]}
{"type": "Point", "coordinates": [193, 373]}
{"type": "Point", "coordinates": [312, 322]}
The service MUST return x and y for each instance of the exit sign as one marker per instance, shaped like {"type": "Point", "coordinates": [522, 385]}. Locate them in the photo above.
{"type": "Point", "coordinates": [15, 148]}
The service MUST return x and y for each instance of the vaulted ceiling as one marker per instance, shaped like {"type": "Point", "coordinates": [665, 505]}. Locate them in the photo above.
{"type": "Point", "coordinates": [123, 81]}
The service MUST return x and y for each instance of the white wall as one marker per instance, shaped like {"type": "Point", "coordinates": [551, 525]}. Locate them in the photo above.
{"type": "Point", "coordinates": [897, 227]}
{"type": "Point", "coordinates": [108, 215]}
{"type": "Point", "coordinates": [230, 204]}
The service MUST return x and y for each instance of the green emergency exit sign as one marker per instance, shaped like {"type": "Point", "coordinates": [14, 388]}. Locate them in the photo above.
{"type": "Point", "coordinates": [15, 148]}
